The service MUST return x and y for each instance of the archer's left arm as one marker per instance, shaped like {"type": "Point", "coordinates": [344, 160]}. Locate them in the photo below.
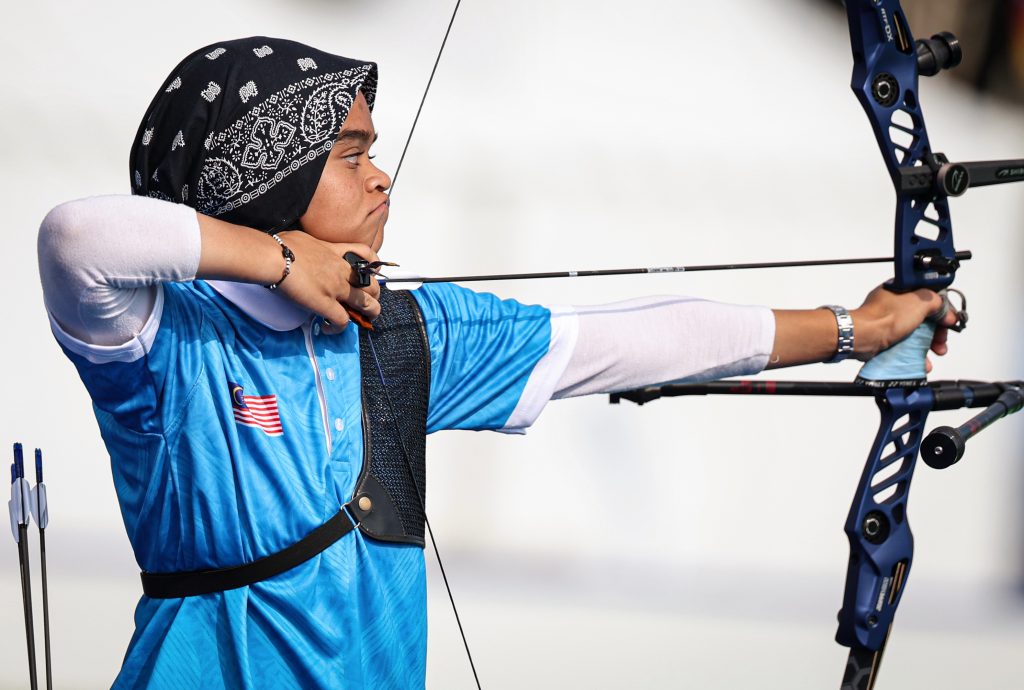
{"type": "Point", "coordinates": [651, 341]}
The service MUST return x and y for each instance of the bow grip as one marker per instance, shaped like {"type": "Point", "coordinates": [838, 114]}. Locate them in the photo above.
{"type": "Point", "coordinates": [904, 362]}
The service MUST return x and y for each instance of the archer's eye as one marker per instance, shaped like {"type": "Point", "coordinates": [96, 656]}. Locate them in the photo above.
{"type": "Point", "coordinates": [353, 159]}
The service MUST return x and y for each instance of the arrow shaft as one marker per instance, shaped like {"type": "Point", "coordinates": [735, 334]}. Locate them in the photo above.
{"type": "Point", "coordinates": [26, 600]}
{"type": "Point", "coordinates": [46, 608]}
{"type": "Point", "coordinates": [963, 256]}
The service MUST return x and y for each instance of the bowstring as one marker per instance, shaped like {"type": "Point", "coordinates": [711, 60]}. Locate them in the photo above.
{"type": "Point", "coordinates": [430, 80]}
{"type": "Point", "coordinates": [423, 508]}
{"type": "Point", "coordinates": [380, 371]}
{"type": "Point", "coordinates": [419, 110]}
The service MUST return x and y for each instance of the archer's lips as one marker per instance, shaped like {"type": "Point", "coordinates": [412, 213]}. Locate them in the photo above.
{"type": "Point", "coordinates": [383, 206]}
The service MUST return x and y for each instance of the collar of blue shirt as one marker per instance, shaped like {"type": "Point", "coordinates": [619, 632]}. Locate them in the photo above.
{"type": "Point", "coordinates": [272, 309]}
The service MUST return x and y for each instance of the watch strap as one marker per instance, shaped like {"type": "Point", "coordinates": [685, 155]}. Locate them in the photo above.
{"type": "Point", "coordinates": [844, 322]}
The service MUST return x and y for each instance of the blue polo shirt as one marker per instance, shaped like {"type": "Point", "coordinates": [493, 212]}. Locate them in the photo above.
{"type": "Point", "coordinates": [230, 439]}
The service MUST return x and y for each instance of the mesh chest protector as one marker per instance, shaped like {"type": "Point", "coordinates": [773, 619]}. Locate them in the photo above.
{"type": "Point", "coordinates": [395, 369]}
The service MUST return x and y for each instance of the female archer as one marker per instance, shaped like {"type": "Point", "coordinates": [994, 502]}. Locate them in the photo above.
{"type": "Point", "coordinates": [268, 455]}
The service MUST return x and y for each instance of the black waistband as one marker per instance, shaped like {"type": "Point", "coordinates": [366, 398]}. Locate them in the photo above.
{"type": "Point", "coordinates": [196, 582]}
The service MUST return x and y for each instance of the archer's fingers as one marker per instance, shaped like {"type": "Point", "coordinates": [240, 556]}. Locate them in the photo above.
{"type": "Point", "coordinates": [941, 304]}
{"type": "Point", "coordinates": [373, 290]}
{"type": "Point", "coordinates": [362, 301]}
{"type": "Point", "coordinates": [950, 317]}
{"type": "Point", "coordinates": [335, 317]}
{"type": "Point", "coordinates": [932, 300]}
{"type": "Point", "coordinates": [939, 345]}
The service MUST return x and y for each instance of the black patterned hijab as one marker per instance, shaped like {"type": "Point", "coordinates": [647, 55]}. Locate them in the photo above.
{"type": "Point", "coordinates": [241, 129]}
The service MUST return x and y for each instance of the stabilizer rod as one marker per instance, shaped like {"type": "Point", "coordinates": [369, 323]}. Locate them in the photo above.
{"type": "Point", "coordinates": [949, 395]}
{"type": "Point", "coordinates": [940, 52]}
{"type": "Point", "coordinates": [985, 173]}
{"type": "Point", "coordinates": [938, 176]}
{"type": "Point", "coordinates": [945, 446]}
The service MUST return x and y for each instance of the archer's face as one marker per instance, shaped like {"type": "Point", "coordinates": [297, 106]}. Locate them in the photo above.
{"type": "Point", "coordinates": [349, 204]}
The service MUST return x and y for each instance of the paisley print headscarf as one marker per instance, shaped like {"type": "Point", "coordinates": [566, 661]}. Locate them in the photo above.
{"type": "Point", "coordinates": [241, 129]}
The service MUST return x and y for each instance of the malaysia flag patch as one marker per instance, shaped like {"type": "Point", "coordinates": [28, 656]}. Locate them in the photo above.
{"type": "Point", "coordinates": [258, 411]}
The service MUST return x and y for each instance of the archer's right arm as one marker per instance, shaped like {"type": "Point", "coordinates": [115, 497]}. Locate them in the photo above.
{"type": "Point", "coordinates": [102, 258]}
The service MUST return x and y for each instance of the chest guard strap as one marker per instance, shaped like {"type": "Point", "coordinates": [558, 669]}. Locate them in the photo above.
{"type": "Point", "coordinates": [395, 369]}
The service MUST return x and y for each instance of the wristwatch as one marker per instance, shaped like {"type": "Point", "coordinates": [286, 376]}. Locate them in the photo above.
{"type": "Point", "coordinates": [844, 321]}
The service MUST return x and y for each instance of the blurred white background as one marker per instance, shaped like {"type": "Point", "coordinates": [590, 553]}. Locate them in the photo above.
{"type": "Point", "coordinates": [691, 543]}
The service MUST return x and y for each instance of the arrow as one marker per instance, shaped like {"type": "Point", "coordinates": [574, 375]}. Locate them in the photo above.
{"type": "Point", "coordinates": [370, 268]}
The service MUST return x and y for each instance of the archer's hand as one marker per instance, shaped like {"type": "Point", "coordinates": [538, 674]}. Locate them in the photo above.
{"type": "Point", "coordinates": [887, 317]}
{"type": "Point", "coordinates": [325, 283]}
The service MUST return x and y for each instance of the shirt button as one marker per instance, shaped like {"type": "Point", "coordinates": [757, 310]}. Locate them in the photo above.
{"type": "Point", "coordinates": [316, 329]}
{"type": "Point", "coordinates": [339, 424]}
{"type": "Point", "coordinates": [330, 374]}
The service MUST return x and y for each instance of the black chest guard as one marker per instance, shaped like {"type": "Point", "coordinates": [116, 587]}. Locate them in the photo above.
{"type": "Point", "coordinates": [394, 364]}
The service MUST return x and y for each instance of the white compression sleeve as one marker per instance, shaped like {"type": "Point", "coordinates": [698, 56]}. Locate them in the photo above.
{"type": "Point", "coordinates": [652, 340]}
{"type": "Point", "coordinates": [102, 258]}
